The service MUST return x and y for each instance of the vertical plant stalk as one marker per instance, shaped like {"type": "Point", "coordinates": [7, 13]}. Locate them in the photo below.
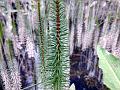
{"type": "Point", "coordinates": [59, 51]}
{"type": "Point", "coordinates": [41, 41]}
{"type": "Point", "coordinates": [1, 56]}
{"type": "Point", "coordinates": [14, 72]}
{"type": "Point", "coordinates": [5, 77]}
{"type": "Point", "coordinates": [9, 70]}
{"type": "Point", "coordinates": [41, 34]}
{"type": "Point", "coordinates": [57, 83]}
{"type": "Point", "coordinates": [4, 66]}
{"type": "Point", "coordinates": [80, 23]}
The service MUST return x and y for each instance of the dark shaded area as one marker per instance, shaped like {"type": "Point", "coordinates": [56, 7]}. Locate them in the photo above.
{"type": "Point", "coordinates": [27, 70]}
{"type": "Point", "coordinates": [1, 87]}
{"type": "Point", "coordinates": [81, 84]}
{"type": "Point", "coordinates": [1, 83]}
{"type": "Point", "coordinates": [83, 62]}
{"type": "Point", "coordinates": [14, 19]}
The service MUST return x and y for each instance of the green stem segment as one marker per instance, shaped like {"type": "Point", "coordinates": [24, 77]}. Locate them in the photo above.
{"type": "Point", "coordinates": [41, 34]}
{"type": "Point", "coordinates": [58, 74]}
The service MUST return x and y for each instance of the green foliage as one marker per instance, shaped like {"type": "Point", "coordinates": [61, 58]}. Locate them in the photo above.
{"type": "Point", "coordinates": [12, 71]}
{"type": "Point", "coordinates": [1, 56]}
{"type": "Point", "coordinates": [17, 4]}
{"type": "Point", "coordinates": [1, 31]}
{"type": "Point", "coordinates": [14, 27]}
{"type": "Point", "coordinates": [10, 48]}
{"type": "Point", "coordinates": [58, 58]}
{"type": "Point", "coordinates": [111, 68]}
{"type": "Point", "coordinates": [54, 49]}
{"type": "Point", "coordinates": [1, 36]}
{"type": "Point", "coordinates": [41, 41]}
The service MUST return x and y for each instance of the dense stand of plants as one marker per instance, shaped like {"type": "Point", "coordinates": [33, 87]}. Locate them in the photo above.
{"type": "Point", "coordinates": [53, 47]}
{"type": "Point", "coordinates": [35, 34]}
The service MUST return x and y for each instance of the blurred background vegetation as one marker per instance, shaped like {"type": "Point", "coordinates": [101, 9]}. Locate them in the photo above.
{"type": "Point", "coordinates": [51, 44]}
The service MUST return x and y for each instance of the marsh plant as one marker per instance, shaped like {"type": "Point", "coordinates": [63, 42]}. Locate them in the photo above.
{"type": "Point", "coordinates": [37, 37]}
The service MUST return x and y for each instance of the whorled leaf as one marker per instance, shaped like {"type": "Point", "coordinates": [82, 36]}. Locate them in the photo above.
{"type": "Point", "coordinates": [41, 42]}
{"type": "Point", "coordinates": [58, 58]}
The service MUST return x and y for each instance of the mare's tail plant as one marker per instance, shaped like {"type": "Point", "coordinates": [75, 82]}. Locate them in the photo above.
{"type": "Point", "coordinates": [58, 58]}
{"type": "Point", "coordinates": [13, 67]}
{"type": "Point", "coordinates": [41, 41]}
{"type": "Point", "coordinates": [8, 66]}
{"type": "Point", "coordinates": [3, 71]}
